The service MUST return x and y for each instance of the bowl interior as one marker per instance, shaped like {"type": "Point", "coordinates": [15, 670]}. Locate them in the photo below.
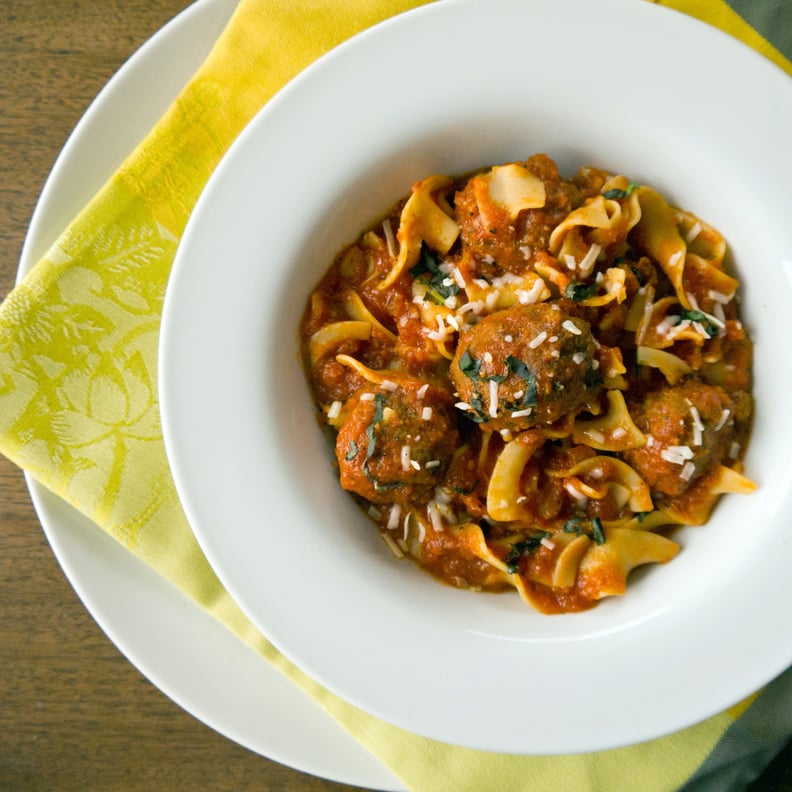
{"type": "Point", "coordinates": [254, 470]}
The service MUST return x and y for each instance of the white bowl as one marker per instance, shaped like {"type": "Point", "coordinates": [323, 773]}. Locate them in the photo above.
{"type": "Point", "coordinates": [451, 86]}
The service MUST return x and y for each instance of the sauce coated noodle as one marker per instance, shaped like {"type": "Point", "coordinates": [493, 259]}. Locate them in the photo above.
{"type": "Point", "coordinates": [532, 379]}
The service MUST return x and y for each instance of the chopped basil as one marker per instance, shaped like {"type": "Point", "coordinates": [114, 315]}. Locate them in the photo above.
{"type": "Point", "coordinates": [379, 411]}
{"type": "Point", "coordinates": [428, 272]}
{"type": "Point", "coordinates": [520, 369]}
{"type": "Point", "coordinates": [597, 531]}
{"type": "Point", "coordinates": [352, 450]}
{"type": "Point", "coordinates": [639, 276]}
{"type": "Point", "coordinates": [479, 414]}
{"type": "Point", "coordinates": [616, 194]}
{"type": "Point", "coordinates": [469, 365]}
{"type": "Point", "coordinates": [577, 525]}
{"type": "Point", "coordinates": [578, 291]}
{"type": "Point", "coordinates": [530, 543]}
{"type": "Point", "coordinates": [573, 526]}
{"type": "Point", "coordinates": [591, 379]}
{"type": "Point", "coordinates": [379, 486]}
{"type": "Point", "coordinates": [710, 328]}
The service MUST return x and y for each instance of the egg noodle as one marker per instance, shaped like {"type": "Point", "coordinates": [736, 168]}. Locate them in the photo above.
{"type": "Point", "coordinates": [531, 380]}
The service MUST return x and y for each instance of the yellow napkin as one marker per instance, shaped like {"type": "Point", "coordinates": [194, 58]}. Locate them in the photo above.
{"type": "Point", "coordinates": [78, 393]}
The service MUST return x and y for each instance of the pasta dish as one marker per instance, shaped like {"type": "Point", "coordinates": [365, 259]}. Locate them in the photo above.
{"type": "Point", "coordinates": [530, 380]}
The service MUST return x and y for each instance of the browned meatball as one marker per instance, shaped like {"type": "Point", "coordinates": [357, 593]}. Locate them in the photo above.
{"type": "Point", "coordinates": [525, 366]}
{"type": "Point", "coordinates": [396, 442]}
{"type": "Point", "coordinates": [690, 427]}
{"type": "Point", "coordinates": [507, 244]}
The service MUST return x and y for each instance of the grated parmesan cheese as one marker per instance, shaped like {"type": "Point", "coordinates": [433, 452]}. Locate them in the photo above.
{"type": "Point", "coordinates": [720, 297]}
{"type": "Point", "coordinates": [722, 421]}
{"type": "Point", "coordinates": [538, 340]}
{"type": "Point", "coordinates": [434, 516]}
{"type": "Point", "coordinates": [475, 307]}
{"type": "Point", "coordinates": [390, 240]}
{"type": "Point", "coordinates": [698, 427]}
{"type": "Point", "coordinates": [688, 469]}
{"type": "Point", "coordinates": [334, 411]}
{"type": "Point", "coordinates": [493, 399]}
{"type": "Point", "coordinates": [571, 327]}
{"type": "Point", "coordinates": [389, 385]}
{"type": "Point", "coordinates": [426, 414]}
{"type": "Point", "coordinates": [693, 233]}
{"type": "Point", "coordinates": [392, 546]}
{"type": "Point", "coordinates": [393, 516]}
{"type": "Point", "coordinates": [677, 455]}
{"type": "Point", "coordinates": [532, 295]}
{"type": "Point", "coordinates": [589, 260]}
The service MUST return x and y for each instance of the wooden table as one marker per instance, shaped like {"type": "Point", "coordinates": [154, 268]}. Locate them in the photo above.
{"type": "Point", "coordinates": [74, 714]}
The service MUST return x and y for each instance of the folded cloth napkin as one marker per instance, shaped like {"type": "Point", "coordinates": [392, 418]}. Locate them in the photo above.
{"type": "Point", "coordinates": [78, 394]}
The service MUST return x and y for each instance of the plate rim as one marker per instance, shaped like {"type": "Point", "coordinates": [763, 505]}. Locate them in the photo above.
{"type": "Point", "coordinates": [69, 533]}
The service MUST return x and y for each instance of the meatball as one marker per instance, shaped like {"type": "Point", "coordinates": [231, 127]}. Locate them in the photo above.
{"type": "Point", "coordinates": [525, 366]}
{"type": "Point", "coordinates": [396, 441]}
{"type": "Point", "coordinates": [690, 428]}
{"type": "Point", "coordinates": [512, 243]}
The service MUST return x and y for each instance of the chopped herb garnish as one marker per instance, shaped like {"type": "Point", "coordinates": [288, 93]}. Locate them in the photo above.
{"type": "Point", "coordinates": [379, 486]}
{"type": "Point", "coordinates": [591, 379]}
{"type": "Point", "coordinates": [352, 450]}
{"type": "Point", "coordinates": [597, 531]}
{"type": "Point", "coordinates": [480, 414]}
{"type": "Point", "coordinates": [512, 558]}
{"type": "Point", "coordinates": [379, 412]}
{"type": "Point", "coordinates": [710, 328]}
{"type": "Point", "coordinates": [469, 365]}
{"type": "Point", "coordinates": [427, 271]}
{"type": "Point", "coordinates": [616, 194]}
{"type": "Point", "coordinates": [573, 526]}
{"type": "Point", "coordinates": [520, 369]}
{"type": "Point", "coordinates": [578, 291]}
{"type": "Point", "coordinates": [577, 525]}
{"type": "Point", "coordinates": [639, 276]}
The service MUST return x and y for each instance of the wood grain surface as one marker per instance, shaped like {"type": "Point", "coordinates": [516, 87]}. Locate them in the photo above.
{"type": "Point", "coordinates": [74, 714]}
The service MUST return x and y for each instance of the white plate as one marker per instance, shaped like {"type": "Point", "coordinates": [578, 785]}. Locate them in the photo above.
{"type": "Point", "coordinates": [182, 650]}
{"type": "Point", "coordinates": [616, 83]}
